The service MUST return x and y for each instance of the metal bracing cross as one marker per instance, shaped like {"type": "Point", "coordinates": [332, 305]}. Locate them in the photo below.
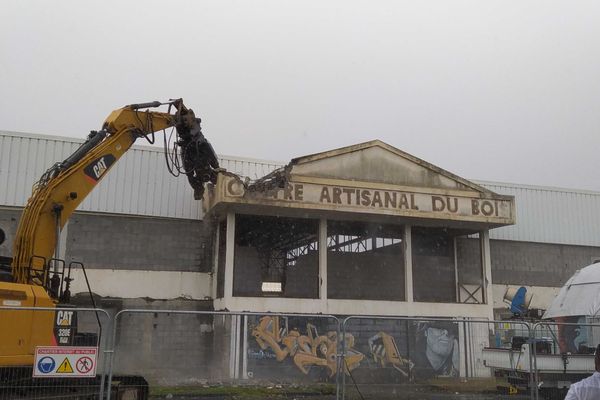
{"type": "Point", "coordinates": [471, 295]}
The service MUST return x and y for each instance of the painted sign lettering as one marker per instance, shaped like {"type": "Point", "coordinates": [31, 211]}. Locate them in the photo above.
{"type": "Point", "coordinates": [466, 205]}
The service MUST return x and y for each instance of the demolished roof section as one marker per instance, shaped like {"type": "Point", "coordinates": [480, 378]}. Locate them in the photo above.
{"type": "Point", "coordinates": [370, 178]}
{"type": "Point", "coordinates": [272, 181]}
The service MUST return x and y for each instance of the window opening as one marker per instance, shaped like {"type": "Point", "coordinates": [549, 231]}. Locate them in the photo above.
{"type": "Point", "coordinates": [276, 256]}
{"type": "Point", "coordinates": [365, 261]}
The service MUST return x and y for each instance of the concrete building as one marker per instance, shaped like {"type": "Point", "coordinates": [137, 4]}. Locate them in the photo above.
{"type": "Point", "coordinates": [142, 225]}
{"type": "Point", "coordinates": [361, 229]}
{"type": "Point", "coordinates": [366, 229]}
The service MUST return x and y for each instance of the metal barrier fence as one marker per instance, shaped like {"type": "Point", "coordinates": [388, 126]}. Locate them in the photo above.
{"type": "Point", "coordinates": [563, 353]}
{"type": "Point", "coordinates": [200, 352]}
{"type": "Point", "coordinates": [51, 327]}
{"type": "Point", "coordinates": [421, 358]}
{"type": "Point", "coordinates": [177, 354]}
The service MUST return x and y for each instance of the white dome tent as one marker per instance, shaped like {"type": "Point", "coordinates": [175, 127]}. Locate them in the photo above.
{"type": "Point", "coordinates": [580, 296]}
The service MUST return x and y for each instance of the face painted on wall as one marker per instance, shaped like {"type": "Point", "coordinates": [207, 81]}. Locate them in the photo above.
{"type": "Point", "coordinates": [439, 341]}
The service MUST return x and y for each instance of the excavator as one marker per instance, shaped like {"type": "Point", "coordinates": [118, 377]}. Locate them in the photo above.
{"type": "Point", "coordinates": [35, 276]}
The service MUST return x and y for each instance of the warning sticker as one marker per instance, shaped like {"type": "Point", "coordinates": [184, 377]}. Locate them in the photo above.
{"type": "Point", "coordinates": [62, 361]}
{"type": "Point", "coordinates": [64, 367]}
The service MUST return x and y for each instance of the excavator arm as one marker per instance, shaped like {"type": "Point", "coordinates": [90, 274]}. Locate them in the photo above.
{"type": "Point", "coordinates": [66, 184]}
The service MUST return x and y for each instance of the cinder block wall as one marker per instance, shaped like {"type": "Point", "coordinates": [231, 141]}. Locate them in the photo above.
{"type": "Point", "coordinates": [525, 263]}
{"type": "Point", "coordinates": [108, 241]}
{"type": "Point", "coordinates": [537, 264]}
{"type": "Point", "coordinates": [165, 348]}
{"type": "Point", "coordinates": [9, 221]}
{"type": "Point", "coordinates": [140, 243]}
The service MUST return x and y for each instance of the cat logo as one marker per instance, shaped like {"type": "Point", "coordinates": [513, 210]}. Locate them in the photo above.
{"type": "Point", "coordinates": [64, 318]}
{"type": "Point", "coordinates": [97, 168]}
{"type": "Point", "coordinates": [65, 327]}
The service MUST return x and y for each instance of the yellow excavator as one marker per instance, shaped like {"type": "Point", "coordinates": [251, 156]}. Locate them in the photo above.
{"type": "Point", "coordinates": [36, 277]}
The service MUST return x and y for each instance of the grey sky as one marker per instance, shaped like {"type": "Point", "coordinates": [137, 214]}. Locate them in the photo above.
{"type": "Point", "coordinates": [493, 90]}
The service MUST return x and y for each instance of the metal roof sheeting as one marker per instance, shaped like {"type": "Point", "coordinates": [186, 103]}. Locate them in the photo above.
{"type": "Point", "coordinates": [141, 185]}
{"type": "Point", "coordinates": [550, 215]}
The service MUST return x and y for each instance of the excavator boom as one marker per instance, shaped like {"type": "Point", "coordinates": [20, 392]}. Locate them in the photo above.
{"type": "Point", "coordinates": [54, 198]}
{"type": "Point", "coordinates": [66, 184]}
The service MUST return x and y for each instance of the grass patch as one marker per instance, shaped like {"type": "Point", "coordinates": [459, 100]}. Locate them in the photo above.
{"type": "Point", "coordinates": [472, 385]}
{"type": "Point", "coordinates": [243, 391]}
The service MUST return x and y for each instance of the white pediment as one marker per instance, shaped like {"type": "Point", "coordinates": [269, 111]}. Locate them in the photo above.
{"type": "Point", "coordinates": [376, 161]}
{"type": "Point", "coordinates": [368, 178]}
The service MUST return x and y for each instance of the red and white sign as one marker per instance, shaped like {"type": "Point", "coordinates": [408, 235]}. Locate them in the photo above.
{"type": "Point", "coordinates": [65, 362]}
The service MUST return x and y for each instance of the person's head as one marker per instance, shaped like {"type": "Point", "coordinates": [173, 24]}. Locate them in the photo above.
{"type": "Point", "coordinates": [597, 358]}
{"type": "Point", "coordinates": [440, 336]}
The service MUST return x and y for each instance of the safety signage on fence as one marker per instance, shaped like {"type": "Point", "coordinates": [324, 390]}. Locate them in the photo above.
{"type": "Point", "coordinates": [66, 362]}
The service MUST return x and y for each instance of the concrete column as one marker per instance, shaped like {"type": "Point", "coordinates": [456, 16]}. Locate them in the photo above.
{"type": "Point", "coordinates": [486, 265]}
{"type": "Point", "coordinates": [229, 254]}
{"type": "Point", "coordinates": [408, 276]}
{"type": "Point", "coordinates": [213, 282]}
{"type": "Point", "coordinates": [456, 284]}
{"type": "Point", "coordinates": [323, 259]}
{"type": "Point", "coordinates": [234, 345]}
{"type": "Point", "coordinates": [245, 347]}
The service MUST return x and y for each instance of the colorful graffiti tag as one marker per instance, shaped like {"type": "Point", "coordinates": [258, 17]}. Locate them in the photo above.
{"type": "Point", "coordinates": [305, 350]}
{"type": "Point", "coordinates": [415, 349]}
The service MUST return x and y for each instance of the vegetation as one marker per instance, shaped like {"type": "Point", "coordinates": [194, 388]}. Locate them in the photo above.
{"type": "Point", "coordinates": [243, 391]}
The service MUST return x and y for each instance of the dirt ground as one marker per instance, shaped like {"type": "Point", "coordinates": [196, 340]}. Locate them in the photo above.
{"type": "Point", "coordinates": [367, 392]}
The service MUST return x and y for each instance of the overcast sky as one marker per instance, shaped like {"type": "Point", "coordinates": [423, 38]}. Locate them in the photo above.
{"type": "Point", "coordinates": [491, 90]}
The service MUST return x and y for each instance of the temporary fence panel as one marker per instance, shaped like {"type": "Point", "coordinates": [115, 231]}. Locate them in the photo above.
{"type": "Point", "coordinates": [69, 359]}
{"type": "Point", "coordinates": [205, 352]}
{"type": "Point", "coordinates": [420, 358]}
{"type": "Point", "coordinates": [563, 354]}
{"type": "Point", "coordinates": [509, 358]}
{"type": "Point", "coordinates": [298, 352]}
{"type": "Point", "coordinates": [171, 348]}
{"type": "Point", "coordinates": [288, 355]}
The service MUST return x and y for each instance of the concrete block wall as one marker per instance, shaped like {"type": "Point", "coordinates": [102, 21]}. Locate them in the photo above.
{"type": "Point", "coordinates": [524, 263]}
{"type": "Point", "coordinates": [468, 256]}
{"type": "Point", "coordinates": [372, 276]}
{"type": "Point", "coordinates": [537, 264]}
{"type": "Point", "coordinates": [107, 241]}
{"type": "Point", "coordinates": [9, 221]}
{"type": "Point", "coordinates": [164, 348]}
{"type": "Point", "coordinates": [139, 243]}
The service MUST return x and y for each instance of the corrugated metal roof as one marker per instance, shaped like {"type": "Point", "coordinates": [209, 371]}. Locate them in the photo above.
{"type": "Point", "coordinates": [138, 184]}
{"type": "Point", "coordinates": [550, 215]}
{"type": "Point", "coordinates": [248, 167]}
{"type": "Point", "coordinates": [141, 185]}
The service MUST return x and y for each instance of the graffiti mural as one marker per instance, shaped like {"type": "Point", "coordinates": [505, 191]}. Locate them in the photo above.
{"type": "Point", "coordinates": [375, 351]}
{"type": "Point", "coordinates": [306, 350]}
{"type": "Point", "coordinates": [385, 352]}
{"type": "Point", "coordinates": [436, 349]}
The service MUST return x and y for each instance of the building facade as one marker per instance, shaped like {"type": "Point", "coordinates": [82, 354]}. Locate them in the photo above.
{"type": "Point", "coordinates": [141, 225]}
{"type": "Point", "coordinates": [361, 229]}
{"type": "Point", "coordinates": [366, 229]}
